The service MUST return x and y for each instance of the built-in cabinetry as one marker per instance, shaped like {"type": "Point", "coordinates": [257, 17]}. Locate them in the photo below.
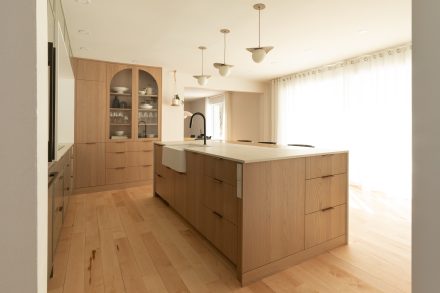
{"type": "Point", "coordinates": [262, 216]}
{"type": "Point", "coordinates": [117, 116]}
{"type": "Point", "coordinates": [61, 181]}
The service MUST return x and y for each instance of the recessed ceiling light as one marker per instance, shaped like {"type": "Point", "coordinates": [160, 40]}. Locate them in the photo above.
{"type": "Point", "coordinates": [83, 48]}
{"type": "Point", "coordinates": [362, 32]}
{"type": "Point", "coordinates": [83, 1]}
{"type": "Point", "coordinates": [84, 32]}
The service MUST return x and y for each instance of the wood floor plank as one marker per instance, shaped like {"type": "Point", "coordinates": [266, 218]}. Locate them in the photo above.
{"type": "Point", "coordinates": [131, 274]}
{"type": "Point", "coordinates": [75, 268]}
{"type": "Point", "coordinates": [141, 245]}
{"type": "Point", "coordinates": [167, 272]}
{"type": "Point", "coordinates": [110, 265]}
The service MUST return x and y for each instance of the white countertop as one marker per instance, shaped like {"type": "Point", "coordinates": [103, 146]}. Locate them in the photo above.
{"type": "Point", "coordinates": [248, 153]}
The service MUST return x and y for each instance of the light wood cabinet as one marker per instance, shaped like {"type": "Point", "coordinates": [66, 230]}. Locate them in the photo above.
{"type": "Point", "coordinates": [90, 107]}
{"type": "Point", "coordinates": [325, 192]}
{"type": "Point", "coordinates": [90, 70]}
{"type": "Point", "coordinates": [128, 162]}
{"type": "Point", "coordinates": [220, 197]}
{"type": "Point", "coordinates": [90, 161]}
{"type": "Point", "coordinates": [326, 165]}
{"type": "Point", "coordinates": [325, 225]}
{"type": "Point", "coordinates": [262, 216]}
{"type": "Point", "coordinates": [120, 161]}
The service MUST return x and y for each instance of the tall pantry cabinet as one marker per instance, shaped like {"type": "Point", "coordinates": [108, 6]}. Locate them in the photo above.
{"type": "Point", "coordinates": [104, 156]}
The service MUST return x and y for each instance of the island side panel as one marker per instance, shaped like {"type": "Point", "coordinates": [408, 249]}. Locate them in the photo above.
{"type": "Point", "coordinates": [272, 211]}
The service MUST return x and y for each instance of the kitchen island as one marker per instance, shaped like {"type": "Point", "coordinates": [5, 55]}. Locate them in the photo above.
{"type": "Point", "coordinates": [264, 208]}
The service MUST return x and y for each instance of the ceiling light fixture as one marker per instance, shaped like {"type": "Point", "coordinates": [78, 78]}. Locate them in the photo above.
{"type": "Point", "coordinates": [259, 53]}
{"type": "Point", "coordinates": [223, 68]}
{"type": "Point", "coordinates": [83, 32]}
{"type": "Point", "coordinates": [202, 79]}
{"type": "Point", "coordinates": [83, 1]}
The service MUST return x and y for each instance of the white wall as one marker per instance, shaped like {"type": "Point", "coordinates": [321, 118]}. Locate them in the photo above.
{"type": "Point", "coordinates": [23, 148]}
{"type": "Point", "coordinates": [246, 116]}
{"type": "Point", "coordinates": [426, 147]}
{"type": "Point", "coordinates": [193, 107]}
{"type": "Point", "coordinates": [172, 117]}
{"type": "Point", "coordinates": [65, 113]}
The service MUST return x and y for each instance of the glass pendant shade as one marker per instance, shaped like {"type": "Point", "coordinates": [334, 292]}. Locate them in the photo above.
{"type": "Point", "coordinates": [223, 68]}
{"type": "Point", "coordinates": [202, 79]}
{"type": "Point", "coordinates": [259, 53]}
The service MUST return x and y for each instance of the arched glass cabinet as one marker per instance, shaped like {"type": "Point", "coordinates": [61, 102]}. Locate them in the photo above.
{"type": "Point", "coordinates": [134, 102]}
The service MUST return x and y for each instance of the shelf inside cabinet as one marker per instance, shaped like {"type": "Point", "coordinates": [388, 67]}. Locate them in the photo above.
{"type": "Point", "coordinates": [123, 94]}
{"type": "Point", "coordinates": [147, 110]}
{"type": "Point", "coordinates": [148, 96]}
{"type": "Point", "coordinates": [120, 109]}
{"type": "Point", "coordinates": [120, 124]}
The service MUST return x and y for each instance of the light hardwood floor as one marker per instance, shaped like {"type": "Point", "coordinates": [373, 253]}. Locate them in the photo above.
{"type": "Point", "coordinates": [129, 241]}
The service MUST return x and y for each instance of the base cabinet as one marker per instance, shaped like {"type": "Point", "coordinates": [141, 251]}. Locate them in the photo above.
{"type": "Point", "coordinates": [263, 216]}
{"type": "Point", "coordinates": [90, 164]}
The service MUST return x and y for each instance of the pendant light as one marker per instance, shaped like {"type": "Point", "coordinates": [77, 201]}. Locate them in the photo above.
{"type": "Point", "coordinates": [202, 79]}
{"type": "Point", "coordinates": [259, 53]}
{"type": "Point", "coordinates": [176, 101]}
{"type": "Point", "coordinates": [223, 68]}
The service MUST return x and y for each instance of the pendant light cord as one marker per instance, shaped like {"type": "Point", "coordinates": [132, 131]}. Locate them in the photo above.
{"type": "Point", "coordinates": [224, 49]}
{"type": "Point", "coordinates": [202, 62]}
{"type": "Point", "coordinates": [259, 28]}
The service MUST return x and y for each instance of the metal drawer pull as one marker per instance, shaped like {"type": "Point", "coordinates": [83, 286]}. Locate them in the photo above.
{"type": "Point", "coordinates": [327, 209]}
{"type": "Point", "coordinates": [119, 152]}
{"type": "Point", "coordinates": [120, 168]}
{"type": "Point", "coordinates": [218, 180]}
{"type": "Point", "coordinates": [60, 209]}
{"type": "Point", "coordinates": [158, 175]}
{"type": "Point", "coordinates": [327, 176]}
{"type": "Point", "coordinates": [217, 214]}
{"type": "Point", "coordinates": [90, 142]}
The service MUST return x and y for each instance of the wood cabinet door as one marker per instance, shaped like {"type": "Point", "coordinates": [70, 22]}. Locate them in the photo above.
{"type": "Point", "coordinates": [326, 165]}
{"type": "Point", "coordinates": [90, 70]}
{"type": "Point", "coordinates": [324, 225]}
{"type": "Point", "coordinates": [90, 164]}
{"type": "Point", "coordinates": [180, 194]}
{"type": "Point", "coordinates": [90, 115]}
{"type": "Point", "coordinates": [279, 218]}
{"type": "Point", "coordinates": [325, 192]}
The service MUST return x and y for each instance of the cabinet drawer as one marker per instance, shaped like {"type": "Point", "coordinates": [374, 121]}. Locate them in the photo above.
{"type": "Point", "coordinates": [138, 173]}
{"type": "Point", "coordinates": [114, 147]}
{"type": "Point", "coordinates": [324, 225]}
{"type": "Point", "coordinates": [221, 197]}
{"type": "Point", "coordinates": [221, 169]}
{"type": "Point", "coordinates": [141, 158]}
{"type": "Point", "coordinates": [326, 165]}
{"type": "Point", "coordinates": [115, 160]}
{"type": "Point", "coordinates": [220, 232]}
{"type": "Point", "coordinates": [137, 146]}
{"type": "Point", "coordinates": [326, 192]}
{"type": "Point", "coordinates": [161, 187]}
{"type": "Point", "coordinates": [114, 176]}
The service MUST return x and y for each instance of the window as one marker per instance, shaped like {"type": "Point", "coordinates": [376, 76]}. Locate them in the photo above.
{"type": "Point", "coordinates": [215, 116]}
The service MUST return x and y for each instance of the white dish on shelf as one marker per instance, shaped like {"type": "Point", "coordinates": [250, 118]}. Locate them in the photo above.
{"type": "Point", "coordinates": [119, 132]}
{"type": "Point", "coordinates": [146, 106]}
{"type": "Point", "coordinates": [142, 93]}
{"type": "Point", "coordinates": [119, 89]}
{"type": "Point", "coordinates": [150, 135]}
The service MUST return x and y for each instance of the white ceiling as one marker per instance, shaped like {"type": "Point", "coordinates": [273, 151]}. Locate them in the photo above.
{"type": "Point", "coordinates": [166, 33]}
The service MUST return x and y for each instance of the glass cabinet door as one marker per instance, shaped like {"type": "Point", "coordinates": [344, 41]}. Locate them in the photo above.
{"type": "Point", "coordinates": [120, 102]}
{"type": "Point", "coordinates": [148, 115]}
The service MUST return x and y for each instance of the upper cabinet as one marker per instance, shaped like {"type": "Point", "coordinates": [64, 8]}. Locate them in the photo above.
{"type": "Point", "coordinates": [134, 102]}
{"type": "Point", "coordinates": [90, 104]}
{"type": "Point", "coordinates": [90, 70]}
{"type": "Point", "coordinates": [148, 105]}
{"type": "Point", "coordinates": [120, 102]}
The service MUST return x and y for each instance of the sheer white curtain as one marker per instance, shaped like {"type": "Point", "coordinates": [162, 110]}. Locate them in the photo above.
{"type": "Point", "coordinates": [216, 119]}
{"type": "Point", "coordinates": [363, 105]}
